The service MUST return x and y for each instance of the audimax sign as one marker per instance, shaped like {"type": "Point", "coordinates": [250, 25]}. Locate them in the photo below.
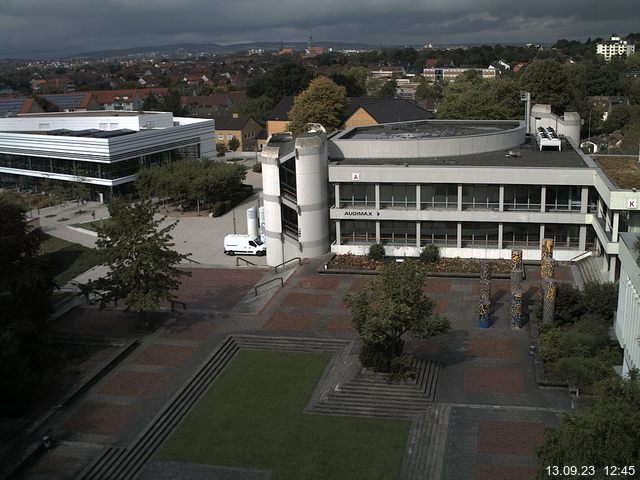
{"type": "Point", "coordinates": [361, 213]}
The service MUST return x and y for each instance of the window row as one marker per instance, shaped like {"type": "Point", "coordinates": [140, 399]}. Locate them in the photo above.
{"type": "Point", "coordinates": [110, 171]}
{"type": "Point", "coordinates": [445, 196]}
{"type": "Point", "coordinates": [483, 234]}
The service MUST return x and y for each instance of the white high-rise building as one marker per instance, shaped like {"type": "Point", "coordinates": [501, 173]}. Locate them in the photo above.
{"type": "Point", "coordinates": [615, 47]}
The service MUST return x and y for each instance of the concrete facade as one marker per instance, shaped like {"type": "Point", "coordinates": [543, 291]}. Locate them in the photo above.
{"type": "Point", "coordinates": [627, 321]}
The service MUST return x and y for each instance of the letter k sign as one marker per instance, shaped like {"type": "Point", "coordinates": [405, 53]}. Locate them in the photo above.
{"type": "Point", "coordinates": [632, 203]}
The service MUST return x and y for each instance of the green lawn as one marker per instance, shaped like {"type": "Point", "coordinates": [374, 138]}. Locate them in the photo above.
{"type": "Point", "coordinates": [93, 226]}
{"type": "Point", "coordinates": [67, 260]}
{"type": "Point", "coordinates": [252, 417]}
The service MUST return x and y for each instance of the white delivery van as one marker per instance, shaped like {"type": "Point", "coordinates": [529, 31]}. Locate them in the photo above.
{"type": "Point", "coordinates": [244, 244]}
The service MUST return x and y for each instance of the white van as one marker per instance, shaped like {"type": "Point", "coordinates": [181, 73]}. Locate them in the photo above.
{"type": "Point", "coordinates": [244, 244]}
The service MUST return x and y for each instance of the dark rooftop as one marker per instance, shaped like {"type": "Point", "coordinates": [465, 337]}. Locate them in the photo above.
{"type": "Point", "coordinates": [527, 155]}
{"type": "Point", "coordinates": [427, 130]}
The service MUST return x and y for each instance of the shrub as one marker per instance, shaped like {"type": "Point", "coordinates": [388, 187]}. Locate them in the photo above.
{"type": "Point", "coordinates": [257, 167]}
{"type": "Point", "coordinates": [376, 251]}
{"type": "Point", "coordinates": [584, 372]}
{"type": "Point", "coordinates": [220, 208]}
{"type": "Point", "coordinates": [430, 253]}
{"type": "Point", "coordinates": [549, 344]}
{"type": "Point", "coordinates": [401, 369]}
{"type": "Point", "coordinates": [568, 305]}
{"type": "Point", "coordinates": [600, 299]}
{"type": "Point", "coordinates": [221, 149]}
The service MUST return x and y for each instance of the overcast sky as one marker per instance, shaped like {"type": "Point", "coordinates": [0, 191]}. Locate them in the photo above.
{"type": "Point", "coordinates": [52, 27]}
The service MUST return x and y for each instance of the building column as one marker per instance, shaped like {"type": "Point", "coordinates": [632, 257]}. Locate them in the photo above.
{"type": "Point", "coordinates": [605, 262]}
{"type": "Point", "coordinates": [418, 189]}
{"type": "Point", "coordinates": [614, 228]}
{"type": "Point", "coordinates": [613, 265]}
{"type": "Point", "coordinates": [459, 197]}
{"type": "Point", "coordinates": [338, 232]}
{"type": "Point", "coordinates": [584, 200]}
{"type": "Point", "coordinates": [599, 205]}
{"type": "Point", "coordinates": [582, 238]}
{"type": "Point", "coordinates": [543, 202]}
{"type": "Point", "coordinates": [501, 202]}
{"type": "Point", "coordinates": [500, 231]}
{"type": "Point", "coordinates": [418, 234]}
{"type": "Point", "coordinates": [377, 229]}
{"type": "Point", "coordinates": [541, 235]}
{"type": "Point", "coordinates": [459, 239]}
{"type": "Point", "coordinates": [377, 190]}
{"type": "Point", "coordinates": [607, 222]}
{"type": "Point", "coordinates": [336, 190]}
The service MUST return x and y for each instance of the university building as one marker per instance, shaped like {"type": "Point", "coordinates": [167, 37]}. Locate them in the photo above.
{"type": "Point", "coordinates": [102, 149]}
{"type": "Point", "coordinates": [474, 188]}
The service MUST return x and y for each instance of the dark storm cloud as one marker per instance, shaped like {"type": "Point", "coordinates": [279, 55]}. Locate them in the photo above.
{"type": "Point", "coordinates": [54, 26]}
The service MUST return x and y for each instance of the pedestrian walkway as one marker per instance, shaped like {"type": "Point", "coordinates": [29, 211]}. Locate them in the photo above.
{"type": "Point", "coordinates": [485, 417]}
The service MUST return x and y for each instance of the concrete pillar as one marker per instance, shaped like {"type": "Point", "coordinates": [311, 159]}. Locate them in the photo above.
{"type": "Point", "coordinates": [418, 190]}
{"type": "Point", "coordinates": [501, 201]}
{"type": "Point", "coordinates": [377, 190]}
{"type": "Point", "coordinates": [615, 226]}
{"type": "Point", "coordinates": [338, 232]}
{"type": "Point", "coordinates": [459, 239]}
{"type": "Point", "coordinates": [541, 235]}
{"type": "Point", "coordinates": [543, 200]}
{"type": "Point", "coordinates": [312, 175]}
{"type": "Point", "coordinates": [607, 221]}
{"type": "Point", "coordinates": [582, 239]}
{"type": "Point", "coordinates": [418, 234]}
{"type": "Point", "coordinates": [584, 200]}
{"type": "Point", "coordinates": [599, 206]}
{"type": "Point", "coordinates": [500, 231]}
{"type": "Point", "coordinates": [272, 210]}
{"type": "Point", "coordinates": [336, 192]}
{"type": "Point", "coordinates": [377, 229]}
{"type": "Point", "coordinates": [613, 266]}
{"type": "Point", "coordinates": [459, 197]}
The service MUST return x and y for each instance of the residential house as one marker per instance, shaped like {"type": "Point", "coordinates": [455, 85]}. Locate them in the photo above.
{"type": "Point", "coordinates": [216, 104]}
{"type": "Point", "coordinates": [73, 102]}
{"type": "Point", "coordinates": [242, 127]}
{"type": "Point", "coordinates": [11, 106]}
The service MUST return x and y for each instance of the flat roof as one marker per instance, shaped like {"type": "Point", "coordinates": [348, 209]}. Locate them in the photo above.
{"type": "Point", "coordinates": [89, 113]}
{"type": "Point", "coordinates": [428, 129]}
{"type": "Point", "coordinates": [623, 171]}
{"type": "Point", "coordinates": [527, 155]}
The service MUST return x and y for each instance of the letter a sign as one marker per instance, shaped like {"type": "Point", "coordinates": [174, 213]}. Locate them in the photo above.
{"type": "Point", "coordinates": [355, 177]}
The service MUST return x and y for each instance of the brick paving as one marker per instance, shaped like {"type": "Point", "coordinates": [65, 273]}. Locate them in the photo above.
{"type": "Point", "coordinates": [165, 355]}
{"type": "Point", "coordinates": [133, 383]}
{"type": "Point", "coordinates": [497, 410]}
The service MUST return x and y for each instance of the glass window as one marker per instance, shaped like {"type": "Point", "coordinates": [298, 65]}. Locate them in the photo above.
{"type": "Point", "coordinates": [398, 233]}
{"type": "Point", "coordinates": [563, 198]}
{"type": "Point", "coordinates": [522, 197]}
{"type": "Point", "coordinates": [439, 195]}
{"type": "Point", "coordinates": [520, 235]}
{"type": "Point", "coordinates": [480, 234]}
{"type": "Point", "coordinates": [439, 233]}
{"type": "Point", "coordinates": [397, 195]}
{"type": "Point", "coordinates": [357, 194]}
{"type": "Point", "coordinates": [480, 197]}
{"type": "Point", "coordinates": [564, 236]}
{"type": "Point", "coordinates": [357, 232]}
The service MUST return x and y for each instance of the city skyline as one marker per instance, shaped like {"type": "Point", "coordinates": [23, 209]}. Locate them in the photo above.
{"type": "Point", "coordinates": [43, 28]}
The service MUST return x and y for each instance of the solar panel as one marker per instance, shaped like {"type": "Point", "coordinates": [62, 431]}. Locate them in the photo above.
{"type": "Point", "coordinates": [66, 101]}
{"type": "Point", "coordinates": [11, 105]}
{"type": "Point", "coordinates": [113, 133]}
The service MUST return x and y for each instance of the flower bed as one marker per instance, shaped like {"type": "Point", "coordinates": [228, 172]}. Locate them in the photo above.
{"type": "Point", "coordinates": [444, 265]}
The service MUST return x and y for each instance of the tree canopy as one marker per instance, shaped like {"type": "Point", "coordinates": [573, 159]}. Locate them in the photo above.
{"type": "Point", "coordinates": [323, 102]}
{"type": "Point", "coordinates": [602, 435]}
{"type": "Point", "coordinates": [391, 305]}
{"type": "Point", "coordinates": [549, 84]}
{"type": "Point", "coordinates": [285, 79]}
{"type": "Point", "coordinates": [472, 97]}
{"type": "Point", "coordinates": [138, 251]}
{"type": "Point", "coordinates": [25, 290]}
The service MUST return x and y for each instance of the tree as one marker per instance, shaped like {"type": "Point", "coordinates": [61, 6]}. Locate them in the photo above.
{"type": "Point", "coordinates": [389, 88]}
{"type": "Point", "coordinates": [142, 265]}
{"type": "Point", "coordinates": [258, 108]}
{"type": "Point", "coordinates": [548, 83]}
{"type": "Point", "coordinates": [25, 290]}
{"type": "Point", "coordinates": [286, 79]}
{"type": "Point", "coordinates": [350, 83]}
{"type": "Point", "coordinates": [603, 435]}
{"type": "Point", "coordinates": [391, 305]}
{"type": "Point", "coordinates": [233, 144]}
{"type": "Point", "coordinates": [323, 102]}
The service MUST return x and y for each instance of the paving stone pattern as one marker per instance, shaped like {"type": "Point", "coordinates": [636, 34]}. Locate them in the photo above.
{"type": "Point", "coordinates": [485, 417]}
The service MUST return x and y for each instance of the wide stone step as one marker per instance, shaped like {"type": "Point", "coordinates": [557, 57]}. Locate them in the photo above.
{"type": "Point", "coordinates": [290, 344]}
{"type": "Point", "coordinates": [366, 411]}
{"type": "Point", "coordinates": [373, 392]}
{"type": "Point", "coordinates": [368, 400]}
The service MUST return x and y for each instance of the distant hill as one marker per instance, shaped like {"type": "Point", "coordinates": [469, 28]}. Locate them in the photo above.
{"type": "Point", "coordinates": [194, 48]}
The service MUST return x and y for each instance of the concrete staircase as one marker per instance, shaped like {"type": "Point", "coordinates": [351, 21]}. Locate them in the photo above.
{"type": "Point", "coordinates": [119, 463]}
{"type": "Point", "coordinates": [589, 269]}
{"type": "Point", "coordinates": [370, 394]}
{"type": "Point", "coordinates": [426, 446]}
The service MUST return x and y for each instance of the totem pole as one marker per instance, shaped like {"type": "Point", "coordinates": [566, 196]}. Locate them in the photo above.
{"type": "Point", "coordinates": [485, 294]}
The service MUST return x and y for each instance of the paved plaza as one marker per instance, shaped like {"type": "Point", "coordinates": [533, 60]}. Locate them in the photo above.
{"type": "Point", "coordinates": [496, 413]}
